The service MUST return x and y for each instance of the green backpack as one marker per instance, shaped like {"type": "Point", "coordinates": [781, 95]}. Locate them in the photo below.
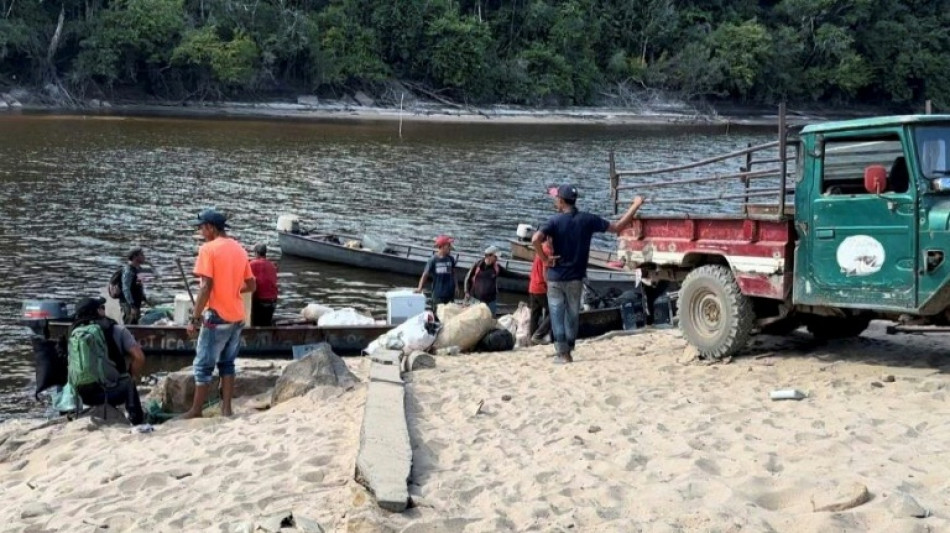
{"type": "Point", "coordinates": [88, 356]}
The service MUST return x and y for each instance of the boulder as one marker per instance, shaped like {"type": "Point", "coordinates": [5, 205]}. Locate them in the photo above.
{"type": "Point", "coordinates": [363, 99]}
{"type": "Point", "coordinates": [176, 390]}
{"type": "Point", "coordinates": [309, 100]}
{"type": "Point", "coordinates": [319, 368]}
{"type": "Point", "coordinates": [4, 105]}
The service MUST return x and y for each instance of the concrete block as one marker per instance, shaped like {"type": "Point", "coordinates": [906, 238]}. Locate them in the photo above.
{"type": "Point", "coordinates": [386, 357]}
{"type": "Point", "coordinates": [385, 455]}
{"type": "Point", "coordinates": [387, 373]}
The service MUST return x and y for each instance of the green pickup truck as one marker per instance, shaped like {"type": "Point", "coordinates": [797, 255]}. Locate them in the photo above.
{"type": "Point", "coordinates": [857, 228]}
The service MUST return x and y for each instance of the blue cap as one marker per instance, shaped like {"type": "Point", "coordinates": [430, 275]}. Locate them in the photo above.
{"type": "Point", "coordinates": [567, 192]}
{"type": "Point", "coordinates": [210, 216]}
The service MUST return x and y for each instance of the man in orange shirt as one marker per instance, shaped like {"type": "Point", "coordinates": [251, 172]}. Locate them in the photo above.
{"type": "Point", "coordinates": [225, 273]}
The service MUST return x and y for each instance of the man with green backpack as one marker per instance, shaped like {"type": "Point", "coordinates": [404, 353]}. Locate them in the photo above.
{"type": "Point", "coordinates": [96, 367]}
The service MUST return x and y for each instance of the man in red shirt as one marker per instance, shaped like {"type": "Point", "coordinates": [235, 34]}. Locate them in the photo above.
{"type": "Point", "coordinates": [538, 297]}
{"type": "Point", "coordinates": [265, 297]}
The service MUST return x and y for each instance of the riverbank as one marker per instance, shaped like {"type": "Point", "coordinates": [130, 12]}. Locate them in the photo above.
{"type": "Point", "coordinates": [362, 108]}
{"type": "Point", "coordinates": [634, 435]}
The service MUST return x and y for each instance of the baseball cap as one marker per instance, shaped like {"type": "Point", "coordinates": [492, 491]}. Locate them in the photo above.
{"type": "Point", "coordinates": [210, 216]}
{"type": "Point", "coordinates": [442, 240]}
{"type": "Point", "coordinates": [491, 250]}
{"type": "Point", "coordinates": [89, 306]}
{"type": "Point", "coordinates": [566, 192]}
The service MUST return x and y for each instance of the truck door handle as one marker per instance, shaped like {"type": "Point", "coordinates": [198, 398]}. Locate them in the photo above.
{"type": "Point", "coordinates": [825, 233]}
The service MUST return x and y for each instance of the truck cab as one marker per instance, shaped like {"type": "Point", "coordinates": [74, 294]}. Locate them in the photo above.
{"type": "Point", "coordinates": [872, 215]}
{"type": "Point", "coordinates": [859, 230]}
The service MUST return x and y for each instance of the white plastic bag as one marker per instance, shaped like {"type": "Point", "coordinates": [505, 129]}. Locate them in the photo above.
{"type": "Point", "coordinates": [410, 336]}
{"type": "Point", "coordinates": [345, 317]}
{"type": "Point", "coordinates": [518, 324]}
{"type": "Point", "coordinates": [313, 312]}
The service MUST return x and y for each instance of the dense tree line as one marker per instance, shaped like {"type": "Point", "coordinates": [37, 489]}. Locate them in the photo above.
{"type": "Point", "coordinates": [536, 52]}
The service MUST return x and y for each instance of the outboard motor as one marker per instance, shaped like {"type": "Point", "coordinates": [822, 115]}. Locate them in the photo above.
{"type": "Point", "coordinates": [525, 232]}
{"type": "Point", "coordinates": [37, 312]}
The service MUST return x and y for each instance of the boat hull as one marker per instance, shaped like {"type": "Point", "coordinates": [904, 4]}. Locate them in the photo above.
{"type": "Point", "coordinates": [410, 260]}
{"type": "Point", "coordinates": [255, 342]}
{"type": "Point", "coordinates": [602, 259]}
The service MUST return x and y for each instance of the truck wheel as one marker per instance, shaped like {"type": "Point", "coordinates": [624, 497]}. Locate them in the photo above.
{"type": "Point", "coordinates": [715, 317]}
{"type": "Point", "coordinates": [837, 327]}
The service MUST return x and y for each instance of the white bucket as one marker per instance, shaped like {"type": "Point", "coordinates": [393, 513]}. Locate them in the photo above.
{"type": "Point", "coordinates": [525, 231]}
{"type": "Point", "coordinates": [183, 308]}
{"type": "Point", "coordinates": [288, 223]}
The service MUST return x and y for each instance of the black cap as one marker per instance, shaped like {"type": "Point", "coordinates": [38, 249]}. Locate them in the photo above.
{"type": "Point", "coordinates": [89, 307]}
{"type": "Point", "coordinates": [260, 249]}
{"type": "Point", "coordinates": [210, 216]}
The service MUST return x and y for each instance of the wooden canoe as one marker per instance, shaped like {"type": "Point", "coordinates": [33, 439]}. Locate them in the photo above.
{"type": "Point", "coordinates": [602, 259]}
{"type": "Point", "coordinates": [255, 342]}
{"type": "Point", "coordinates": [409, 260]}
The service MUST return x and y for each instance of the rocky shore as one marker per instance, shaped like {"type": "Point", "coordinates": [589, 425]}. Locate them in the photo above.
{"type": "Point", "coordinates": [655, 113]}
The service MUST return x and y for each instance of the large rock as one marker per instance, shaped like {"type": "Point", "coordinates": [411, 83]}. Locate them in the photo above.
{"type": "Point", "coordinates": [319, 368]}
{"type": "Point", "coordinates": [176, 390]}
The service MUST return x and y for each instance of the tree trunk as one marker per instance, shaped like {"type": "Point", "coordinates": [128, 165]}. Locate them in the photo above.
{"type": "Point", "coordinates": [54, 42]}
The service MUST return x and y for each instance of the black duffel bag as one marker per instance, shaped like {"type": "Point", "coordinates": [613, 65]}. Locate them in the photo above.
{"type": "Point", "coordinates": [496, 340]}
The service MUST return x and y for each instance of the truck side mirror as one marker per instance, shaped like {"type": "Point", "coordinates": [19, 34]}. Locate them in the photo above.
{"type": "Point", "coordinates": [875, 179]}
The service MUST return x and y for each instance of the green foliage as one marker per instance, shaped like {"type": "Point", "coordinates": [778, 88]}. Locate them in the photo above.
{"type": "Point", "coordinates": [230, 62]}
{"type": "Point", "coordinates": [535, 52]}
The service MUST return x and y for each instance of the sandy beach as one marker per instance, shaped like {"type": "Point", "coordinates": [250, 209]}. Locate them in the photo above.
{"type": "Point", "coordinates": [635, 436]}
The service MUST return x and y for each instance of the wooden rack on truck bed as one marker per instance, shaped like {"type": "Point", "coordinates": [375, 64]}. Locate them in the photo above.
{"type": "Point", "coordinates": [774, 155]}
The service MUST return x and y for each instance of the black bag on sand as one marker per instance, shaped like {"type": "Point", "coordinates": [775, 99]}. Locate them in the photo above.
{"type": "Point", "coordinates": [496, 340]}
{"type": "Point", "coordinates": [50, 364]}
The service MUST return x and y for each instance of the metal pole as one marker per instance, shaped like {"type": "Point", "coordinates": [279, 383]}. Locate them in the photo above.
{"type": "Point", "coordinates": [782, 137]}
{"type": "Point", "coordinates": [614, 182]}
{"type": "Point", "coordinates": [745, 179]}
{"type": "Point", "coordinates": [185, 279]}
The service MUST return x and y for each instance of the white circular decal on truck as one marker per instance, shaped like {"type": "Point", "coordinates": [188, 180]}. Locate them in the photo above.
{"type": "Point", "coordinates": [860, 255]}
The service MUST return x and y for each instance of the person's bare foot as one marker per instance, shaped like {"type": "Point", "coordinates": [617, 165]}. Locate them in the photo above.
{"type": "Point", "coordinates": [188, 415]}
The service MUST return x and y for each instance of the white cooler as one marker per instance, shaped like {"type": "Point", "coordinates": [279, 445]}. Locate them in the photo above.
{"type": "Point", "coordinates": [402, 305]}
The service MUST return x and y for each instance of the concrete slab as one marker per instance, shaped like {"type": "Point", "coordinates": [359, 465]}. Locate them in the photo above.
{"type": "Point", "coordinates": [386, 357]}
{"type": "Point", "coordinates": [385, 456]}
{"type": "Point", "coordinates": [387, 373]}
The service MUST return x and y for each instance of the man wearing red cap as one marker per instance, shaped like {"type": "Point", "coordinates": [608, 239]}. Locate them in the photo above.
{"type": "Point", "coordinates": [570, 232]}
{"type": "Point", "coordinates": [441, 268]}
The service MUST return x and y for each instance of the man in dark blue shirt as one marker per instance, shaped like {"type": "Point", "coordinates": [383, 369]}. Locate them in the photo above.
{"type": "Point", "coordinates": [441, 268]}
{"type": "Point", "coordinates": [571, 231]}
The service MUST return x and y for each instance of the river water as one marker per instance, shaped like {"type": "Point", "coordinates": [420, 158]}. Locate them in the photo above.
{"type": "Point", "coordinates": [77, 192]}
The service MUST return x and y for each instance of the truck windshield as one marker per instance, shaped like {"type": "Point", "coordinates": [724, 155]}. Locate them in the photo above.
{"type": "Point", "coordinates": [933, 150]}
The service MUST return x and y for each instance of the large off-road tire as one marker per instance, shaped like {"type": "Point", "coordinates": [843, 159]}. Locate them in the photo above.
{"type": "Point", "coordinates": [714, 316]}
{"type": "Point", "coordinates": [836, 327]}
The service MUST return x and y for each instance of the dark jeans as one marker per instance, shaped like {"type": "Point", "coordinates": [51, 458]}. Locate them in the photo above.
{"type": "Point", "coordinates": [564, 301]}
{"type": "Point", "coordinates": [262, 313]}
{"type": "Point", "coordinates": [123, 392]}
{"type": "Point", "coordinates": [127, 313]}
{"type": "Point", "coordinates": [540, 315]}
